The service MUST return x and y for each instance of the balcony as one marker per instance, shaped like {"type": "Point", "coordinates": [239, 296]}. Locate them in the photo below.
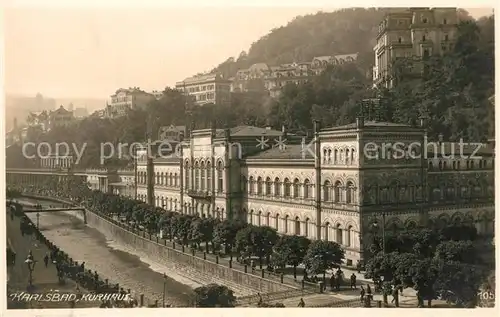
{"type": "Point", "coordinates": [200, 194]}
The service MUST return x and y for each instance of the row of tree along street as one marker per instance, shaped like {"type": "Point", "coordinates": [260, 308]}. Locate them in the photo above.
{"type": "Point", "coordinates": [438, 264]}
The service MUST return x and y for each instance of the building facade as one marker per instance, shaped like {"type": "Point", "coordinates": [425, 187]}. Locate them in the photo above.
{"type": "Point", "coordinates": [335, 186]}
{"type": "Point", "coordinates": [335, 189]}
{"type": "Point", "coordinates": [261, 77]}
{"type": "Point", "coordinates": [206, 89]}
{"type": "Point", "coordinates": [60, 117]}
{"type": "Point", "coordinates": [124, 99]}
{"type": "Point", "coordinates": [413, 34]}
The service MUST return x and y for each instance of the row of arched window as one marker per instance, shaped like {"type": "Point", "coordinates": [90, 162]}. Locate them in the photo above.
{"type": "Point", "coordinates": [160, 179]}
{"type": "Point", "coordinates": [443, 165]}
{"type": "Point", "coordinates": [461, 192]}
{"type": "Point", "coordinates": [339, 156]}
{"type": "Point", "coordinates": [199, 176]}
{"type": "Point", "coordinates": [296, 189]}
{"type": "Point", "coordinates": [294, 226]}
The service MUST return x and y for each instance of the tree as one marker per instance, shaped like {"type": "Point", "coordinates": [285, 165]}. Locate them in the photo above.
{"type": "Point", "coordinates": [256, 241]}
{"type": "Point", "coordinates": [459, 282]}
{"type": "Point", "coordinates": [322, 256]}
{"type": "Point", "coordinates": [290, 250]}
{"type": "Point", "coordinates": [214, 295]}
{"type": "Point", "coordinates": [457, 251]}
{"type": "Point", "coordinates": [225, 234]}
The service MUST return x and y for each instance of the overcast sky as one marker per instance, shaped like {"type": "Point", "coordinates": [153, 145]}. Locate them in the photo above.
{"type": "Point", "coordinates": [90, 53]}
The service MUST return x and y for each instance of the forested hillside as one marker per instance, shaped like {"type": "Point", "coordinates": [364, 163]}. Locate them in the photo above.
{"type": "Point", "coordinates": [325, 33]}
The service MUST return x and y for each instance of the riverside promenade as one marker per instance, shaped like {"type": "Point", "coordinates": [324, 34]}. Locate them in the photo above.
{"type": "Point", "coordinates": [45, 279]}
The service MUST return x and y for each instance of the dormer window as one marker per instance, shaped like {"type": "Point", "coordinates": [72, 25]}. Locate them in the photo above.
{"type": "Point", "coordinates": [444, 21]}
{"type": "Point", "coordinates": [446, 37]}
{"type": "Point", "coordinates": [423, 38]}
{"type": "Point", "coordinates": [424, 20]}
{"type": "Point", "coordinates": [400, 40]}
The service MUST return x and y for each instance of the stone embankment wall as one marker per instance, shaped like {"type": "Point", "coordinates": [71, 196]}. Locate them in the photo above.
{"type": "Point", "coordinates": [158, 252]}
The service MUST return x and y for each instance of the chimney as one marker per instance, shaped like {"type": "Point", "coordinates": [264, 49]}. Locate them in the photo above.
{"type": "Point", "coordinates": [360, 122]}
{"type": "Point", "coordinates": [317, 126]}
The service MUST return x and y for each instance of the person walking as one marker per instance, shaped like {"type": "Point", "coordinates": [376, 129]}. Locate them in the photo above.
{"type": "Point", "coordinates": [368, 291]}
{"type": "Point", "coordinates": [301, 303]}
{"type": "Point", "coordinates": [46, 260]}
{"type": "Point", "coordinates": [353, 281]}
{"type": "Point", "coordinates": [362, 294]}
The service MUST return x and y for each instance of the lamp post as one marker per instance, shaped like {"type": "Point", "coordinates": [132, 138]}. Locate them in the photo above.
{"type": "Point", "coordinates": [164, 287]}
{"type": "Point", "coordinates": [38, 207]}
{"type": "Point", "coordinates": [375, 224]}
{"type": "Point", "coordinates": [30, 262]}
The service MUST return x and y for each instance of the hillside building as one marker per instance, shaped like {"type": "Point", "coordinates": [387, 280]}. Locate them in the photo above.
{"type": "Point", "coordinates": [413, 34]}
{"type": "Point", "coordinates": [124, 99]}
{"type": "Point", "coordinates": [206, 89]}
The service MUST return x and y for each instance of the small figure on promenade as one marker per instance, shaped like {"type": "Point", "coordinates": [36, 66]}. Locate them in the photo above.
{"type": "Point", "coordinates": [301, 303]}
{"type": "Point", "coordinates": [46, 260]}
{"type": "Point", "coordinates": [260, 299]}
{"type": "Point", "coordinates": [362, 294]}
{"type": "Point", "coordinates": [369, 291]}
{"type": "Point", "coordinates": [353, 281]}
{"type": "Point", "coordinates": [395, 296]}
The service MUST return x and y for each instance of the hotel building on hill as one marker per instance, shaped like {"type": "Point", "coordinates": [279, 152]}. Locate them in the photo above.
{"type": "Point", "coordinates": [414, 34]}
{"type": "Point", "coordinates": [206, 89]}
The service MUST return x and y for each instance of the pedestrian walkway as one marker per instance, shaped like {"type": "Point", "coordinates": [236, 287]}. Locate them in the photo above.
{"type": "Point", "coordinates": [44, 278]}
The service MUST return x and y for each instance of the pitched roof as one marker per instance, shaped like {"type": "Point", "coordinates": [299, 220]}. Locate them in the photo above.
{"type": "Point", "coordinates": [288, 152]}
{"type": "Point", "coordinates": [247, 130]}
{"type": "Point", "coordinates": [370, 124]}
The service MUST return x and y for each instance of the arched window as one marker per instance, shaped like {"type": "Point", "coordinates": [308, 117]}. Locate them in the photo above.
{"type": "Point", "coordinates": [251, 185]}
{"type": "Point", "coordinates": [287, 186]}
{"type": "Point", "coordinates": [339, 237]}
{"type": "Point", "coordinates": [196, 176]}
{"type": "Point", "coordinates": [220, 177]}
{"type": "Point", "coordinates": [268, 215]}
{"type": "Point", "coordinates": [209, 176]}
{"type": "Point", "coordinates": [440, 164]}
{"type": "Point", "coordinates": [158, 178]}
{"type": "Point", "coordinates": [326, 231]}
{"type": "Point", "coordinates": [259, 186]}
{"type": "Point", "coordinates": [250, 217]}
{"type": "Point", "coordinates": [297, 226]}
{"type": "Point", "coordinates": [285, 222]}
{"type": "Point", "coordinates": [306, 188]}
{"type": "Point", "coordinates": [277, 187]}
{"type": "Point", "coordinates": [203, 175]}
{"type": "Point", "coordinates": [259, 217]}
{"type": "Point", "coordinates": [430, 166]}
{"type": "Point", "coordinates": [326, 191]}
{"type": "Point", "coordinates": [186, 176]}
{"type": "Point", "coordinates": [337, 189]}
{"type": "Point", "coordinates": [350, 193]}
{"type": "Point", "coordinates": [268, 186]}
{"type": "Point", "coordinates": [296, 185]}
{"type": "Point", "coordinates": [276, 221]}
{"type": "Point", "coordinates": [162, 179]}
{"type": "Point", "coordinates": [349, 236]}
{"type": "Point", "coordinates": [306, 227]}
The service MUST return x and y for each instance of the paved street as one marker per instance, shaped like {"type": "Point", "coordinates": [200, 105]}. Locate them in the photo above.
{"type": "Point", "coordinates": [44, 278]}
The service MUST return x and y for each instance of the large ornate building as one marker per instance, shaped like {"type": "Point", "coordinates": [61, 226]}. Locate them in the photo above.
{"type": "Point", "coordinates": [334, 189]}
{"type": "Point", "coordinates": [333, 186]}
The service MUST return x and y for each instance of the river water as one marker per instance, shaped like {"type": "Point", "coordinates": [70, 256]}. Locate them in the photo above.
{"type": "Point", "coordinates": [113, 260]}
